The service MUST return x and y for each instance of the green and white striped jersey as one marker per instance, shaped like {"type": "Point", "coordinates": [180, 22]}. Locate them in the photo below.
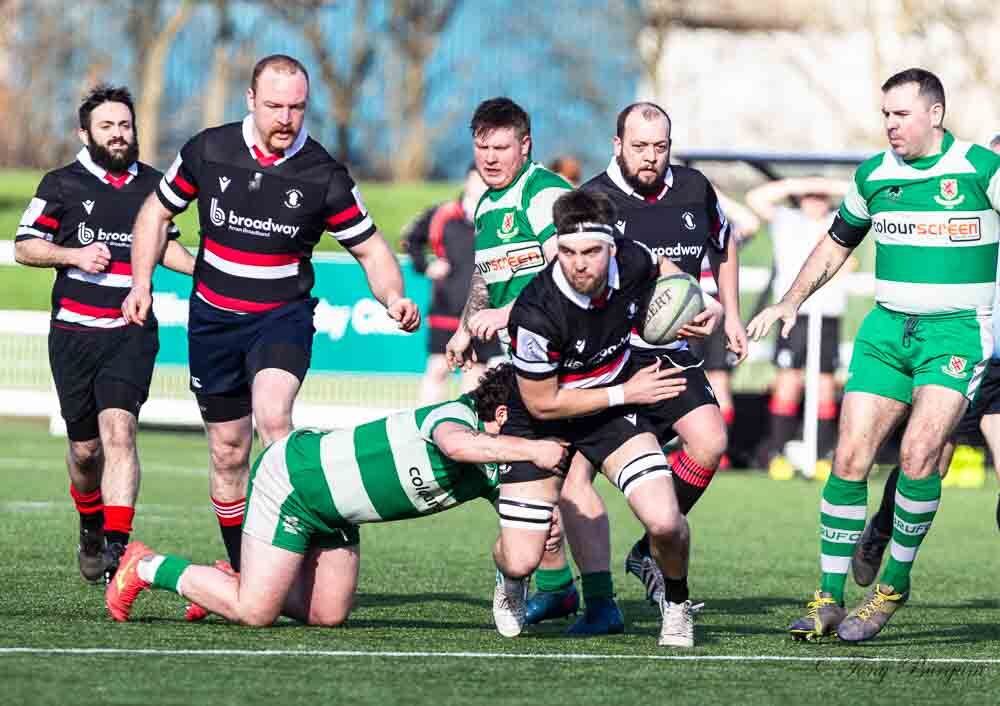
{"type": "Point", "coordinates": [936, 227]}
{"type": "Point", "coordinates": [511, 225]}
{"type": "Point", "coordinates": [388, 469]}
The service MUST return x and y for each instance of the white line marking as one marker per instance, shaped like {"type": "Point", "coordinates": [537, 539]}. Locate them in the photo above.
{"type": "Point", "coordinates": [490, 655]}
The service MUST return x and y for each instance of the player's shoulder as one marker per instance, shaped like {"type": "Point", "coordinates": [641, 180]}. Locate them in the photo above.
{"type": "Point", "coordinates": [633, 256]}
{"type": "Point", "coordinates": [539, 178]}
{"type": "Point", "coordinates": [601, 183]}
{"type": "Point", "coordinates": [147, 172]}
{"type": "Point", "coordinates": [688, 176]}
{"type": "Point", "coordinates": [540, 297]}
{"type": "Point", "coordinates": [984, 160]}
{"type": "Point", "coordinates": [868, 167]}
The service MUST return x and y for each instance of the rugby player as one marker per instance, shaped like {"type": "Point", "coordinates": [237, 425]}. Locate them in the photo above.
{"type": "Point", "coordinates": [514, 241]}
{"type": "Point", "coordinates": [570, 330]}
{"type": "Point", "coordinates": [931, 201]}
{"type": "Point", "coordinates": [794, 233]}
{"type": "Point", "coordinates": [266, 192]}
{"type": "Point", "coordinates": [447, 230]}
{"type": "Point", "coordinates": [675, 212]}
{"type": "Point", "coordinates": [310, 490]}
{"type": "Point", "coordinates": [80, 223]}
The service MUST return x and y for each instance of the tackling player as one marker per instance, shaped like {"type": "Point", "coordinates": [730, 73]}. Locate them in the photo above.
{"type": "Point", "coordinates": [570, 330]}
{"type": "Point", "coordinates": [931, 201]}
{"type": "Point", "coordinates": [309, 492]}
{"type": "Point", "coordinates": [80, 223]}
{"type": "Point", "coordinates": [266, 192]}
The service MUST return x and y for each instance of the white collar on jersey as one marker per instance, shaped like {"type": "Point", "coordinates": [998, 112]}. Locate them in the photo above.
{"type": "Point", "coordinates": [84, 158]}
{"type": "Point", "coordinates": [248, 137]}
{"type": "Point", "coordinates": [582, 300]}
{"type": "Point", "coordinates": [614, 172]}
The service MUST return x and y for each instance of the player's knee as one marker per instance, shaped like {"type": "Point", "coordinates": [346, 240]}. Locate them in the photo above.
{"type": "Point", "coordinates": [273, 427]}
{"type": "Point", "coordinates": [120, 434]}
{"type": "Point", "coordinates": [229, 457]}
{"type": "Point", "coordinates": [915, 458]}
{"type": "Point", "coordinates": [707, 451]}
{"type": "Point", "coordinates": [849, 464]}
{"type": "Point", "coordinates": [87, 456]}
{"type": "Point", "coordinates": [257, 616]}
{"type": "Point", "coordinates": [668, 528]}
{"type": "Point", "coordinates": [330, 616]}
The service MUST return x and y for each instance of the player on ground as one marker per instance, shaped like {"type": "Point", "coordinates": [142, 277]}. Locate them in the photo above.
{"type": "Point", "coordinates": [674, 212]}
{"type": "Point", "coordinates": [514, 240]}
{"type": "Point", "coordinates": [570, 331]}
{"type": "Point", "coordinates": [794, 233]}
{"type": "Point", "coordinates": [266, 191]}
{"type": "Point", "coordinates": [80, 223]}
{"type": "Point", "coordinates": [931, 201]}
{"type": "Point", "coordinates": [310, 491]}
{"type": "Point", "coordinates": [448, 231]}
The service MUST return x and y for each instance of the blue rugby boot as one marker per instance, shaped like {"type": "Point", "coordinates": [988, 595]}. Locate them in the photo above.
{"type": "Point", "coordinates": [602, 616]}
{"type": "Point", "coordinates": [549, 605]}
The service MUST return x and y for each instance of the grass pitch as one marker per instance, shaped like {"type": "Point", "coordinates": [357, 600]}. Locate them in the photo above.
{"type": "Point", "coordinates": [422, 631]}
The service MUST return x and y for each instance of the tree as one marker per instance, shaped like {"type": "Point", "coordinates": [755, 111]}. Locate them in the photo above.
{"type": "Point", "coordinates": [415, 27]}
{"type": "Point", "coordinates": [343, 83]}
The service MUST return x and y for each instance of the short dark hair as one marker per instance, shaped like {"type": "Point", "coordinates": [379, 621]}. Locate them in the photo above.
{"type": "Point", "coordinates": [995, 141]}
{"type": "Point", "coordinates": [650, 111]}
{"type": "Point", "coordinates": [500, 112]}
{"type": "Point", "coordinates": [928, 85]}
{"type": "Point", "coordinates": [494, 389]}
{"type": "Point", "coordinates": [578, 206]}
{"type": "Point", "coordinates": [282, 63]}
{"type": "Point", "coordinates": [104, 93]}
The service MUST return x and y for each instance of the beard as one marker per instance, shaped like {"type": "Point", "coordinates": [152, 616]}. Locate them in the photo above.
{"type": "Point", "coordinates": [632, 178]}
{"type": "Point", "coordinates": [116, 162]}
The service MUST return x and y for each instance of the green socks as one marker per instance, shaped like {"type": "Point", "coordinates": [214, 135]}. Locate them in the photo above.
{"type": "Point", "coordinates": [842, 520]}
{"type": "Point", "coordinates": [553, 579]}
{"type": "Point", "coordinates": [597, 585]}
{"type": "Point", "coordinates": [916, 504]}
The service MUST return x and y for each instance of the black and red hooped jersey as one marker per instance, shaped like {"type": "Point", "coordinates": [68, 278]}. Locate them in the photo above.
{"type": "Point", "coordinates": [261, 216]}
{"type": "Point", "coordinates": [555, 330]}
{"type": "Point", "coordinates": [80, 204]}
{"type": "Point", "coordinates": [680, 223]}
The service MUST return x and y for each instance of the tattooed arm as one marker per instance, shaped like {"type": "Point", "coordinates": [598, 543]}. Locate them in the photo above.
{"type": "Point", "coordinates": [826, 258]}
{"type": "Point", "coordinates": [478, 300]}
{"type": "Point", "coordinates": [465, 445]}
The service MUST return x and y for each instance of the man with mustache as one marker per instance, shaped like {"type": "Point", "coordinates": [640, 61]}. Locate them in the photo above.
{"type": "Point", "coordinates": [80, 223]}
{"type": "Point", "coordinates": [266, 193]}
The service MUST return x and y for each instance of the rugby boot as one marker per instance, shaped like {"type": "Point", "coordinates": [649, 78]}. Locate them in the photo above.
{"type": "Point", "coordinates": [602, 616]}
{"type": "Point", "coordinates": [867, 620]}
{"type": "Point", "coordinates": [677, 629]}
{"type": "Point", "coordinates": [126, 585]}
{"type": "Point", "coordinates": [90, 552]}
{"type": "Point", "coordinates": [509, 597]}
{"type": "Point", "coordinates": [780, 468]}
{"type": "Point", "coordinates": [868, 552]}
{"type": "Point", "coordinates": [549, 605]}
{"type": "Point", "coordinates": [641, 565]}
{"type": "Point", "coordinates": [112, 557]}
{"type": "Point", "coordinates": [821, 619]}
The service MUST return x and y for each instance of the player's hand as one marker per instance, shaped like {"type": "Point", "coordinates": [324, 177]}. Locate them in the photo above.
{"type": "Point", "coordinates": [553, 542]}
{"type": "Point", "coordinates": [94, 258]}
{"type": "Point", "coordinates": [136, 306]}
{"type": "Point", "coordinates": [458, 353]}
{"type": "Point", "coordinates": [552, 455]}
{"type": "Point", "coordinates": [706, 322]}
{"type": "Point", "coordinates": [761, 324]}
{"type": "Point", "coordinates": [653, 384]}
{"type": "Point", "coordinates": [406, 313]}
{"type": "Point", "coordinates": [485, 324]}
{"type": "Point", "coordinates": [736, 337]}
{"type": "Point", "coordinates": [438, 269]}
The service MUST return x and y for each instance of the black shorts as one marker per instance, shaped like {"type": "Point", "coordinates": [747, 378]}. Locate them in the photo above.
{"type": "Point", "coordinates": [596, 436]}
{"type": "Point", "coordinates": [101, 369]}
{"type": "Point", "coordinates": [485, 350]}
{"type": "Point", "coordinates": [226, 350]}
{"type": "Point", "coordinates": [987, 402]}
{"type": "Point", "coordinates": [790, 353]}
{"type": "Point", "coordinates": [713, 351]}
{"type": "Point", "coordinates": [663, 415]}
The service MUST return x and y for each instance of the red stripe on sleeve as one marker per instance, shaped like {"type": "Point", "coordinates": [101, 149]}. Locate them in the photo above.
{"type": "Point", "coordinates": [185, 186]}
{"type": "Point", "coordinates": [47, 221]}
{"type": "Point", "coordinates": [345, 215]}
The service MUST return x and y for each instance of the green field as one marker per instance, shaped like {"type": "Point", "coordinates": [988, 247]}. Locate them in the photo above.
{"type": "Point", "coordinates": [426, 587]}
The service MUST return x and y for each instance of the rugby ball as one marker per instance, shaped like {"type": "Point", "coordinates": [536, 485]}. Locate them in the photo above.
{"type": "Point", "coordinates": [676, 299]}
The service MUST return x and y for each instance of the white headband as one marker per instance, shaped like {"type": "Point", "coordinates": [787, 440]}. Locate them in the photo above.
{"type": "Point", "coordinates": [590, 231]}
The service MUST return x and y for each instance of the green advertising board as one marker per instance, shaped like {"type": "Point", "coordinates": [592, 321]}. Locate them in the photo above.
{"type": "Point", "coordinates": [353, 332]}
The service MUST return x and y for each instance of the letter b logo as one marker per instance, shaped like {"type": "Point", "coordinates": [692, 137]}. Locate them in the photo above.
{"type": "Point", "coordinates": [217, 215]}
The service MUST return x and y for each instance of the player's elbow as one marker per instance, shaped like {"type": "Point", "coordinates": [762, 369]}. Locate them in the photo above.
{"type": "Point", "coordinates": [542, 408]}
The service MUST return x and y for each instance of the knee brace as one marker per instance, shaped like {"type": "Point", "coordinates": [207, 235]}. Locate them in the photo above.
{"type": "Point", "coordinates": [640, 469]}
{"type": "Point", "coordinates": [525, 513]}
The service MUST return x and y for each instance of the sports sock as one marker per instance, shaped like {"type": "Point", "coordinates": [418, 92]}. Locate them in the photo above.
{"type": "Point", "coordinates": [163, 571]}
{"type": "Point", "coordinates": [784, 424]}
{"type": "Point", "coordinates": [883, 518]}
{"type": "Point", "coordinates": [690, 480]}
{"type": "Point", "coordinates": [826, 428]}
{"type": "Point", "coordinates": [916, 504]}
{"type": "Point", "coordinates": [88, 504]}
{"type": "Point", "coordinates": [553, 579]}
{"type": "Point", "coordinates": [118, 523]}
{"type": "Point", "coordinates": [643, 545]}
{"type": "Point", "coordinates": [597, 585]}
{"type": "Point", "coordinates": [230, 515]}
{"type": "Point", "coordinates": [841, 519]}
{"type": "Point", "coordinates": [675, 590]}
